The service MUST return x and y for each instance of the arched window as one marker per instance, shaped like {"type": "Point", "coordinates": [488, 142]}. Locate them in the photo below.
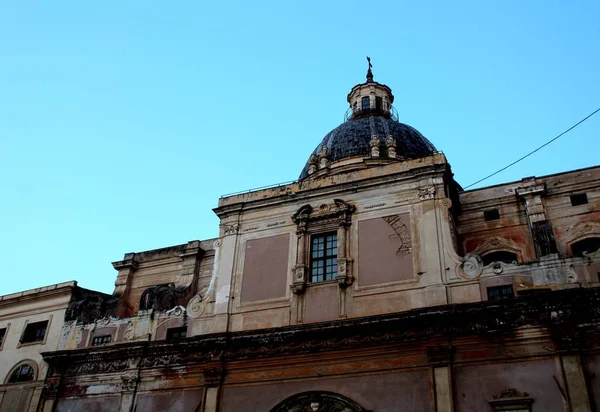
{"type": "Point", "coordinates": [318, 401]}
{"type": "Point", "coordinates": [585, 246]}
{"type": "Point", "coordinates": [499, 256]}
{"type": "Point", "coordinates": [23, 373]}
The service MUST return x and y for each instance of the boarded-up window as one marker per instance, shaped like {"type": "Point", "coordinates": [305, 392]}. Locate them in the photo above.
{"type": "Point", "coordinates": [265, 268]}
{"type": "Point", "coordinates": [384, 250]}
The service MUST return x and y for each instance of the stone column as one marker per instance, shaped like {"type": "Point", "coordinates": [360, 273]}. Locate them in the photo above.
{"type": "Point", "coordinates": [211, 398]}
{"type": "Point", "coordinates": [443, 389]}
{"type": "Point", "coordinates": [212, 381]}
{"type": "Point", "coordinates": [440, 358]}
{"type": "Point", "coordinates": [577, 393]}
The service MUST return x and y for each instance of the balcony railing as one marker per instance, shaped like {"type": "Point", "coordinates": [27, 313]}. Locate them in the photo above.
{"type": "Point", "coordinates": [358, 112]}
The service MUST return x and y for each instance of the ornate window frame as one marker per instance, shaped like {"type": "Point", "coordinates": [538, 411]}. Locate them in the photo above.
{"type": "Point", "coordinates": [511, 400]}
{"type": "Point", "coordinates": [579, 232]}
{"type": "Point", "coordinates": [499, 244]}
{"type": "Point", "coordinates": [322, 219]}
{"type": "Point", "coordinates": [318, 401]}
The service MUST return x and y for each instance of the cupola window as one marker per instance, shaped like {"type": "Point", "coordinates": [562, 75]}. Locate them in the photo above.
{"type": "Point", "coordinates": [379, 104]}
{"type": "Point", "coordinates": [366, 104]}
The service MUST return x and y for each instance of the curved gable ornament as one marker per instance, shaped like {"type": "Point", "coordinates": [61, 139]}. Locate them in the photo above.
{"type": "Point", "coordinates": [318, 402]}
{"type": "Point", "coordinates": [582, 230]}
{"type": "Point", "coordinates": [496, 244]}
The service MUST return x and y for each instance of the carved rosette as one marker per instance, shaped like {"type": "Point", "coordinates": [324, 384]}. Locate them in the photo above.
{"type": "Point", "coordinates": [426, 193]}
{"type": "Point", "coordinates": [231, 229]}
{"type": "Point", "coordinates": [325, 217]}
{"type": "Point", "coordinates": [128, 383]}
{"type": "Point", "coordinates": [471, 267]}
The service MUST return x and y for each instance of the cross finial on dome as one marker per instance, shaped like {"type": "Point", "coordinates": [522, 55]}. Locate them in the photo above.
{"type": "Point", "coordinates": [369, 72]}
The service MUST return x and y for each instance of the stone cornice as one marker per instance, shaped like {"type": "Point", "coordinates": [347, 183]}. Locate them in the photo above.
{"type": "Point", "coordinates": [561, 312]}
{"type": "Point", "coordinates": [304, 192]}
{"type": "Point", "coordinates": [36, 294]}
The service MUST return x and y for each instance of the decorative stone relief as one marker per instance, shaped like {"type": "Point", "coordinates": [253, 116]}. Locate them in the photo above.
{"type": "Point", "coordinates": [374, 143]}
{"type": "Point", "coordinates": [471, 267]}
{"type": "Point", "coordinates": [231, 229]}
{"type": "Point", "coordinates": [318, 402]}
{"type": "Point", "coordinates": [128, 382]}
{"type": "Point", "coordinates": [313, 164]}
{"type": "Point", "coordinates": [511, 400]}
{"type": "Point", "coordinates": [197, 305]}
{"type": "Point", "coordinates": [161, 297]}
{"type": "Point", "coordinates": [427, 193]}
{"type": "Point", "coordinates": [581, 231]}
{"type": "Point", "coordinates": [497, 243]}
{"type": "Point", "coordinates": [324, 156]}
{"type": "Point", "coordinates": [176, 311]}
{"type": "Point", "coordinates": [129, 331]}
{"type": "Point", "coordinates": [390, 143]}
{"type": "Point", "coordinates": [403, 232]}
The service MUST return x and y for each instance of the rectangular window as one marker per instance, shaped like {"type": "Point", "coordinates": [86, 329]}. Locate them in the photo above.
{"type": "Point", "coordinates": [500, 292]}
{"type": "Point", "coordinates": [323, 257]}
{"type": "Point", "coordinates": [366, 104]}
{"type": "Point", "coordinates": [379, 104]}
{"type": "Point", "coordinates": [101, 340]}
{"type": "Point", "coordinates": [2, 334]}
{"type": "Point", "coordinates": [176, 333]}
{"type": "Point", "coordinates": [492, 214]}
{"type": "Point", "coordinates": [579, 199]}
{"type": "Point", "coordinates": [34, 332]}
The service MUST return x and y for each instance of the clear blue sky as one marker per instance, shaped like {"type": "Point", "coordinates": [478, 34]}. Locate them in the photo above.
{"type": "Point", "coordinates": [121, 123]}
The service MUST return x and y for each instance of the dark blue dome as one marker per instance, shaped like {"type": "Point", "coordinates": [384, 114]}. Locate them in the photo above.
{"type": "Point", "coordinates": [352, 138]}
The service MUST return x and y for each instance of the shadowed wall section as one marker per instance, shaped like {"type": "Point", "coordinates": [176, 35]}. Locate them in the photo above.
{"type": "Point", "coordinates": [170, 401]}
{"type": "Point", "coordinates": [90, 404]}
{"type": "Point", "coordinates": [265, 268]}
{"type": "Point", "coordinates": [477, 384]}
{"type": "Point", "coordinates": [408, 391]}
{"type": "Point", "coordinates": [384, 250]}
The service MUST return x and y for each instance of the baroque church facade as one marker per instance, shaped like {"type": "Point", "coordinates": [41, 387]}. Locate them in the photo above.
{"type": "Point", "coordinates": [373, 283]}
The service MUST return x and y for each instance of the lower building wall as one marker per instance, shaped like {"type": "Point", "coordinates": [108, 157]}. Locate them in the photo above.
{"type": "Point", "coordinates": [476, 385]}
{"type": "Point", "coordinates": [592, 369]}
{"type": "Point", "coordinates": [407, 391]}
{"type": "Point", "coordinates": [175, 400]}
{"type": "Point", "coordinates": [102, 403]}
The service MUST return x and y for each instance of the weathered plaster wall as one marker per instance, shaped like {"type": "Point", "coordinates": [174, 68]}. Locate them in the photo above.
{"type": "Point", "coordinates": [475, 385]}
{"type": "Point", "coordinates": [266, 264]}
{"type": "Point", "coordinates": [386, 392]}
